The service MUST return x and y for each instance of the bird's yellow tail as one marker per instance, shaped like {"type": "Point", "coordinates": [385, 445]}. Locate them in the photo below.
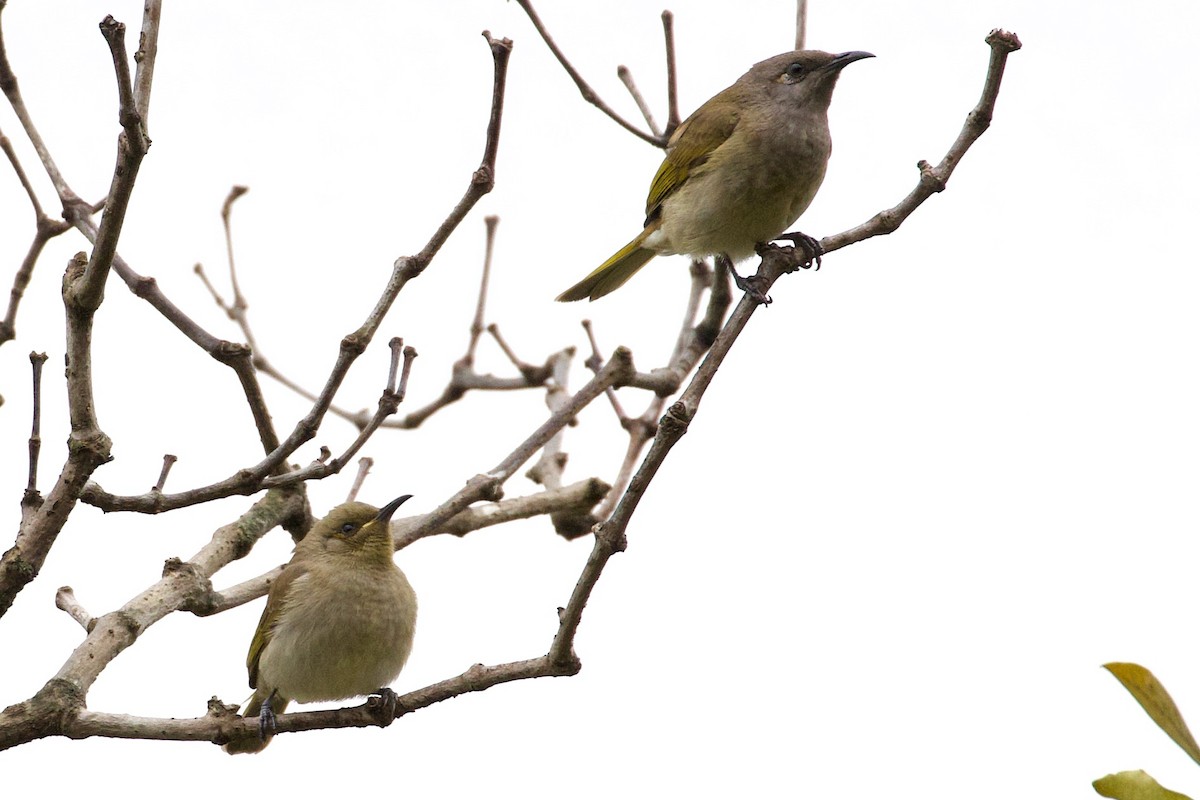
{"type": "Point", "coordinates": [612, 273]}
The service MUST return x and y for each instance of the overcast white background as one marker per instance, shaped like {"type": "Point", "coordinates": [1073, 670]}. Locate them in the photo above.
{"type": "Point", "coordinates": [935, 486]}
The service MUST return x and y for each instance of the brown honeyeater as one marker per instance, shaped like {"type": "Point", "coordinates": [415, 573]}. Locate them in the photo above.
{"type": "Point", "coordinates": [738, 171]}
{"type": "Point", "coordinates": [339, 619]}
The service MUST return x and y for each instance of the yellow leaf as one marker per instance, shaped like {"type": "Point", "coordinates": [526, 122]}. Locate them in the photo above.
{"type": "Point", "coordinates": [1153, 697]}
{"type": "Point", "coordinates": [1134, 785]}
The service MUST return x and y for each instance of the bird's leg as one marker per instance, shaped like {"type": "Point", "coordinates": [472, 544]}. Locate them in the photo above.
{"type": "Point", "coordinates": [812, 249]}
{"type": "Point", "coordinates": [745, 284]}
{"type": "Point", "coordinates": [266, 719]}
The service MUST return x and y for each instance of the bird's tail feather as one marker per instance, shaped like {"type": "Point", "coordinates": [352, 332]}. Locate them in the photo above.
{"type": "Point", "coordinates": [612, 273]}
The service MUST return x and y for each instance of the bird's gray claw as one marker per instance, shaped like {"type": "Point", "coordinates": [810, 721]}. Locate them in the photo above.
{"type": "Point", "coordinates": [747, 286]}
{"type": "Point", "coordinates": [266, 721]}
{"type": "Point", "coordinates": [812, 248]}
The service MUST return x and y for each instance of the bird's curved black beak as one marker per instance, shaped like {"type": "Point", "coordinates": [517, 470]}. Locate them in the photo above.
{"type": "Point", "coordinates": [385, 513]}
{"type": "Point", "coordinates": [844, 59]}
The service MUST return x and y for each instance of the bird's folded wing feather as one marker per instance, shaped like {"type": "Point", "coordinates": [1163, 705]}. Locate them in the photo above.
{"type": "Point", "coordinates": [690, 146]}
{"type": "Point", "coordinates": [269, 618]}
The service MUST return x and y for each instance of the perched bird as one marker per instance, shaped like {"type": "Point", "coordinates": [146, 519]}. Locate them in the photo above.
{"type": "Point", "coordinates": [738, 171]}
{"type": "Point", "coordinates": [339, 619]}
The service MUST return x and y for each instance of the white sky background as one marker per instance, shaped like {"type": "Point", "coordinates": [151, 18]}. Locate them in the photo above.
{"type": "Point", "coordinates": [935, 486]}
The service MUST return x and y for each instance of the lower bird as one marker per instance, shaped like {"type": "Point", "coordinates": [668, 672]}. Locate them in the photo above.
{"type": "Point", "coordinates": [738, 172]}
{"type": "Point", "coordinates": [339, 620]}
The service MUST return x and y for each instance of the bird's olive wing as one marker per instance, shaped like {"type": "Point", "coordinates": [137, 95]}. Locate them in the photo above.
{"type": "Point", "coordinates": [270, 617]}
{"type": "Point", "coordinates": [690, 146]}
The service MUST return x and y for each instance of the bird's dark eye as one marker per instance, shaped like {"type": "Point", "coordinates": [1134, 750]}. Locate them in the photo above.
{"type": "Point", "coordinates": [348, 527]}
{"type": "Point", "coordinates": [795, 70]}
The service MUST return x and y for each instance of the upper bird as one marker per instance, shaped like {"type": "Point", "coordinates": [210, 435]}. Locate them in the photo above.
{"type": "Point", "coordinates": [738, 171]}
{"type": "Point", "coordinates": [339, 619]}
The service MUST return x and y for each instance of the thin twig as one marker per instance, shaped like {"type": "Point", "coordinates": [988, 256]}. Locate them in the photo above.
{"type": "Point", "coordinates": [198, 269]}
{"type": "Point", "coordinates": [690, 344]}
{"type": "Point", "coordinates": [364, 468]}
{"type": "Point", "coordinates": [389, 403]}
{"type": "Point", "coordinates": [396, 345]}
{"type": "Point", "coordinates": [548, 469]}
{"type": "Point", "coordinates": [490, 222]}
{"type": "Point", "coordinates": [88, 448]}
{"type": "Point", "coordinates": [488, 486]}
{"type": "Point", "coordinates": [594, 363]}
{"type": "Point", "coordinates": [521, 366]}
{"type": "Point", "coordinates": [37, 360]}
{"type": "Point", "coordinates": [168, 462]}
{"type": "Point", "coordinates": [626, 77]}
{"type": "Point", "coordinates": [588, 93]}
{"type": "Point", "coordinates": [410, 353]}
{"type": "Point", "coordinates": [238, 307]}
{"type": "Point", "coordinates": [45, 230]}
{"type": "Point", "coordinates": [485, 176]}
{"type": "Point", "coordinates": [575, 498]}
{"type": "Point", "coordinates": [693, 342]}
{"type": "Point", "coordinates": [934, 179]}
{"type": "Point", "coordinates": [65, 600]}
{"type": "Point", "coordinates": [668, 21]}
{"type": "Point", "coordinates": [132, 145]}
{"type": "Point", "coordinates": [464, 379]}
{"type": "Point", "coordinates": [801, 23]}
{"type": "Point", "coordinates": [146, 56]}
{"type": "Point", "coordinates": [406, 268]}
{"type": "Point", "coordinates": [244, 360]}
{"type": "Point", "coordinates": [11, 89]}
{"type": "Point", "coordinates": [11, 154]}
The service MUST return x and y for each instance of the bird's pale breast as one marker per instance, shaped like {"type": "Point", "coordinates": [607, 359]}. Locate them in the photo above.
{"type": "Point", "coordinates": [333, 643]}
{"type": "Point", "coordinates": [726, 209]}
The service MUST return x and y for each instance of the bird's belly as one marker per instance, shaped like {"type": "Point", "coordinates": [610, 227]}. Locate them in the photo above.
{"type": "Point", "coordinates": [308, 659]}
{"type": "Point", "coordinates": [721, 210]}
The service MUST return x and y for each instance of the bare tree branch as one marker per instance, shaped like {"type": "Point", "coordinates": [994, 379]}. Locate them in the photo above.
{"type": "Point", "coordinates": [146, 56]}
{"type": "Point", "coordinates": [610, 535]}
{"type": "Point", "coordinates": [389, 403]}
{"type": "Point", "coordinates": [83, 289]}
{"type": "Point", "coordinates": [88, 448]}
{"type": "Point", "coordinates": [626, 77]}
{"type": "Point", "coordinates": [46, 229]}
{"type": "Point", "coordinates": [477, 326]}
{"type": "Point", "coordinates": [364, 468]}
{"type": "Point", "coordinates": [57, 708]}
{"type": "Point", "coordinates": [704, 339]}
{"type": "Point", "coordinates": [12, 91]}
{"type": "Point", "coordinates": [66, 601]}
{"type": "Point", "coordinates": [37, 361]}
{"type": "Point", "coordinates": [934, 179]}
{"type": "Point", "coordinates": [668, 21]}
{"type": "Point", "coordinates": [801, 23]}
{"type": "Point", "coordinates": [237, 308]}
{"type": "Point", "coordinates": [589, 94]}
{"type": "Point", "coordinates": [251, 479]}
{"type": "Point", "coordinates": [484, 178]}
{"type": "Point", "coordinates": [168, 462]}
{"type": "Point", "coordinates": [132, 146]}
{"type": "Point", "coordinates": [575, 498]}
{"type": "Point", "coordinates": [463, 376]}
